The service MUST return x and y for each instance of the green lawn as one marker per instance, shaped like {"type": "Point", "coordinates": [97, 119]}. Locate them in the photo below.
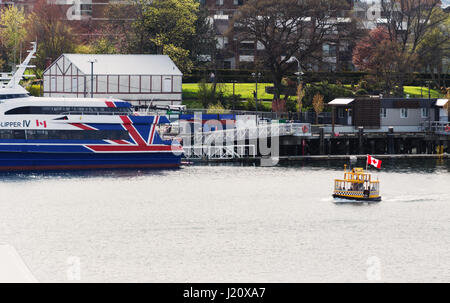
{"type": "Point", "coordinates": [414, 92]}
{"type": "Point", "coordinates": [190, 91]}
{"type": "Point", "coordinates": [244, 89]}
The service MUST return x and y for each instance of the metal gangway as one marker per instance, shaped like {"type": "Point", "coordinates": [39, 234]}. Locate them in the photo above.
{"type": "Point", "coordinates": [261, 131]}
{"type": "Point", "coordinates": [220, 151]}
{"type": "Point", "coordinates": [231, 143]}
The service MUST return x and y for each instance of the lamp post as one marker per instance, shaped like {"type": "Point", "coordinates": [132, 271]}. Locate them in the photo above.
{"type": "Point", "coordinates": [92, 61]}
{"type": "Point", "coordinates": [256, 76]}
{"type": "Point", "coordinates": [299, 69]}
{"type": "Point", "coordinates": [429, 89]}
{"type": "Point", "coordinates": [234, 94]}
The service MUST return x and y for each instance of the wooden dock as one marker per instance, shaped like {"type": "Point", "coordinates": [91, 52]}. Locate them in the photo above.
{"type": "Point", "coordinates": [292, 159]}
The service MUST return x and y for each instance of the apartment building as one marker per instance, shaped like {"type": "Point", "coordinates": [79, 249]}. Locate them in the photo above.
{"type": "Point", "coordinates": [244, 54]}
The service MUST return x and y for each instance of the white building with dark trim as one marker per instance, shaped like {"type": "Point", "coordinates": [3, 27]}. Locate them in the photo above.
{"type": "Point", "coordinates": [140, 79]}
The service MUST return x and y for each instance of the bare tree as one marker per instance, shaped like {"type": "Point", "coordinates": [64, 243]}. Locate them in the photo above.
{"type": "Point", "coordinates": [408, 22]}
{"type": "Point", "coordinates": [300, 95]}
{"type": "Point", "coordinates": [287, 28]}
{"type": "Point", "coordinates": [318, 105]}
{"type": "Point", "coordinates": [54, 36]}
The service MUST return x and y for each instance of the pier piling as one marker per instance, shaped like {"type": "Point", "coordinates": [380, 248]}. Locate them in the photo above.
{"type": "Point", "coordinates": [322, 141]}
{"type": "Point", "coordinates": [391, 141]}
{"type": "Point", "coordinates": [360, 140]}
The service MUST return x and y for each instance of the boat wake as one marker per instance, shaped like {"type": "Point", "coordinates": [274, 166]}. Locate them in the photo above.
{"type": "Point", "coordinates": [413, 198]}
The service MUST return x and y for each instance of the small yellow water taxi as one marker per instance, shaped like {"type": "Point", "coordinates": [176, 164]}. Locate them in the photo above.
{"type": "Point", "coordinates": [357, 185]}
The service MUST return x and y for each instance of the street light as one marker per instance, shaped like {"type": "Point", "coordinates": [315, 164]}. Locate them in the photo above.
{"type": "Point", "coordinates": [429, 89]}
{"type": "Point", "coordinates": [234, 94]}
{"type": "Point", "coordinates": [92, 61]}
{"type": "Point", "coordinates": [299, 73]}
{"type": "Point", "coordinates": [256, 77]}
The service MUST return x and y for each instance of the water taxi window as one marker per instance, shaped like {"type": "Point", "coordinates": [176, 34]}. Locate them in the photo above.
{"type": "Point", "coordinates": [57, 110]}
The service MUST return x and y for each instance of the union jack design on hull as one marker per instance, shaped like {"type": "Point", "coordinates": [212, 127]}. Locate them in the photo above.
{"type": "Point", "coordinates": [77, 133]}
{"type": "Point", "coordinates": [73, 139]}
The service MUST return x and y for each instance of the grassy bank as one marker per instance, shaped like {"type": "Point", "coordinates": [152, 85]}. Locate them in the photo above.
{"type": "Point", "coordinates": [245, 91]}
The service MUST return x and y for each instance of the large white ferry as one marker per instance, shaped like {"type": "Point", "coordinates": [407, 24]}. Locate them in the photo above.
{"type": "Point", "coordinates": [40, 133]}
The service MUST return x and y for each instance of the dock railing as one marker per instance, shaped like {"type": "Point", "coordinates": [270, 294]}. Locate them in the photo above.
{"type": "Point", "coordinates": [438, 127]}
{"type": "Point", "coordinates": [257, 132]}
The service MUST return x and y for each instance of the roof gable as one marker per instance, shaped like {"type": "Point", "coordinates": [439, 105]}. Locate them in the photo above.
{"type": "Point", "coordinates": [124, 64]}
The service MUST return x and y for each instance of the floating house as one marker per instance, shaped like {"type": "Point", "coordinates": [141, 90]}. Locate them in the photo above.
{"type": "Point", "coordinates": [142, 80]}
{"type": "Point", "coordinates": [376, 112]}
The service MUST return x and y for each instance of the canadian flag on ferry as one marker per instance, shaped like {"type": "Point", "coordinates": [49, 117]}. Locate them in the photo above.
{"type": "Point", "coordinates": [39, 123]}
{"type": "Point", "coordinates": [372, 161]}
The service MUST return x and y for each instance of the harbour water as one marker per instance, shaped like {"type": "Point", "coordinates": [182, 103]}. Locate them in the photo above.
{"type": "Point", "coordinates": [229, 224]}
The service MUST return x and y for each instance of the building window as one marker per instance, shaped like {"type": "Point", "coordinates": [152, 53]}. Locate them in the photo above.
{"type": "Point", "coordinates": [403, 113]}
{"type": "Point", "coordinates": [383, 112]}
{"type": "Point", "coordinates": [341, 113]}
{"type": "Point", "coordinates": [238, 2]}
{"type": "Point", "coordinates": [425, 112]}
{"type": "Point", "coordinates": [219, 2]}
{"type": "Point", "coordinates": [329, 50]}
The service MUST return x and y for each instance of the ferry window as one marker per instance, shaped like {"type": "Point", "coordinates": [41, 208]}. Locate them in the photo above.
{"type": "Point", "coordinates": [13, 96]}
{"type": "Point", "coordinates": [403, 113]}
{"type": "Point", "coordinates": [57, 110]}
{"type": "Point", "coordinates": [425, 112]}
{"type": "Point", "coordinates": [18, 134]}
{"type": "Point", "coordinates": [77, 135]}
{"type": "Point", "coordinates": [6, 134]}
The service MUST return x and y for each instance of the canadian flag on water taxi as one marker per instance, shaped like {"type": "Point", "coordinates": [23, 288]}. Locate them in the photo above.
{"type": "Point", "coordinates": [372, 161]}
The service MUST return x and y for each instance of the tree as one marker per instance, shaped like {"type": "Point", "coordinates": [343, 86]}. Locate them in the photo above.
{"type": "Point", "coordinates": [12, 31]}
{"type": "Point", "coordinates": [103, 45]}
{"type": "Point", "coordinates": [434, 49]}
{"type": "Point", "coordinates": [300, 95]}
{"type": "Point", "coordinates": [118, 33]}
{"type": "Point", "coordinates": [54, 36]}
{"type": "Point", "coordinates": [203, 42]}
{"type": "Point", "coordinates": [408, 23]}
{"type": "Point", "coordinates": [284, 29]}
{"type": "Point", "coordinates": [177, 28]}
{"type": "Point", "coordinates": [318, 105]}
{"type": "Point", "coordinates": [164, 27]}
{"type": "Point", "coordinates": [381, 56]}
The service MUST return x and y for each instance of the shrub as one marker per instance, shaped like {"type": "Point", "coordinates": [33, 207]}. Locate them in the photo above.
{"type": "Point", "coordinates": [217, 109]}
{"type": "Point", "coordinates": [34, 90]}
{"type": "Point", "coordinates": [328, 91]}
{"type": "Point", "coordinates": [361, 92]}
{"type": "Point", "coordinates": [291, 105]}
{"type": "Point", "coordinates": [205, 93]}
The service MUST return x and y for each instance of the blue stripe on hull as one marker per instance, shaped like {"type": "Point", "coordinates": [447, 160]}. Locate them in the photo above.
{"type": "Point", "coordinates": [49, 161]}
